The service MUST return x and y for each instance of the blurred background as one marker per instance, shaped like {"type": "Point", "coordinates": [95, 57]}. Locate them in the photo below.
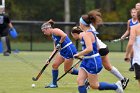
{"type": "Point", "coordinates": [28, 15]}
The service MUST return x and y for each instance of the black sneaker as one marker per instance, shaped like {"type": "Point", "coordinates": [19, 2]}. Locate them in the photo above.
{"type": "Point", "coordinates": [131, 69]}
{"type": "Point", "coordinates": [87, 84]}
{"type": "Point", "coordinates": [124, 82]}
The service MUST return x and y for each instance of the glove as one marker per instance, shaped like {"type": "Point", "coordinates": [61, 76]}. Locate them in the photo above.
{"type": "Point", "coordinates": [58, 46]}
{"type": "Point", "coordinates": [13, 32]}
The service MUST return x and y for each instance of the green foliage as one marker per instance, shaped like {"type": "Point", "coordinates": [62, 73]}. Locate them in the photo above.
{"type": "Point", "coordinates": [113, 10]}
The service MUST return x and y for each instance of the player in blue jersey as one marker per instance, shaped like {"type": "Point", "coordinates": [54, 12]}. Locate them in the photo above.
{"type": "Point", "coordinates": [131, 22]}
{"type": "Point", "coordinates": [92, 63]}
{"type": "Point", "coordinates": [103, 49]}
{"type": "Point", "coordinates": [65, 55]}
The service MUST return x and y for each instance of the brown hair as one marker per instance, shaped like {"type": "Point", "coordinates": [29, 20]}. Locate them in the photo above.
{"type": "Point", "coordinates": [86, 19]}
{"type": "Point", "coordinates": [138, 15]}
{"type": "Point", "coordinates": [133, 9]}
{"type": "Point", "coordinates": [95, 16]}
{"type": "Point", "coordinates": [76, 29]}
{"type": "Point", "coordinates": [51, 22]}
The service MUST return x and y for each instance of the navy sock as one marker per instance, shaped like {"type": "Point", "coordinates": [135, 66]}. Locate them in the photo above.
{"type": "Point", "coordinates": [55, 75]}
{"type": "Point", "coordinates": [107, 86]}
{"type": "Point", "coordinates": [74, 71]}
{"type": "Point", "coordinates": [82, 89]}
{"type": "Point", "coordinates": [131, 61]}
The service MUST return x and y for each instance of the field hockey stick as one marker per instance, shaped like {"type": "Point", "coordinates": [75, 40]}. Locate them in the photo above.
{"type": "Point", "coordinates": [80, 59]}
{"type": "Point", "coordinates": [47, 63]}
{"type": "Point", "coordinates": [117, 40]}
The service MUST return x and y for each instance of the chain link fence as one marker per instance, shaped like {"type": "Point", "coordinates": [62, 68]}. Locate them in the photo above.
{"type": "Point", "coordinates": [32, 39]}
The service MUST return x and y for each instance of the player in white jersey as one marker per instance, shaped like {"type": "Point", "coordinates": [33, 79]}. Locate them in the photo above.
{"type": "Point", "coordinates": [134, 45]}
{"type": "Point", "coordinates": [131, 22]}
{"type": "Point", "coordinates": [103, 50]}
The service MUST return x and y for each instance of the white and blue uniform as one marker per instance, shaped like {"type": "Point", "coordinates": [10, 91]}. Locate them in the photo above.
{"type": "Point", "coordinates": [68, 49]}
{"type": "Point", "coordinates": [136, 48]}
{"type": "Point", "coordinates": [132, 23]}
{"type": "Point", "coordinates": [136, 57]}
{"type": "Point", "coordinates": [92, 62]}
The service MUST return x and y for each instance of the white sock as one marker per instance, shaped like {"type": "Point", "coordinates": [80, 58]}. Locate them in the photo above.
{"type": "Point", "coordinates": [115, 72]}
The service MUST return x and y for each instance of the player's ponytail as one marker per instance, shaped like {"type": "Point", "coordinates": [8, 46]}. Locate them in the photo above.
{"type": "Point", "coordinates": [48, 24]}
{"type": "Point", "coordinates": [95, 17]}
{"type": "Point", "coordinates": [85, 20]}
{"type": "Point", "coordinates": [51, 23]}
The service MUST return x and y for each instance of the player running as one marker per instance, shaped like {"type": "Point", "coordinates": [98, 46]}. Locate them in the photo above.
{"type": "Point", "coordinates": [67, 50]}
{"type": "Point", "coordinates": [91, 64]}
{"type": "Point", "coordinates": [95, 15]}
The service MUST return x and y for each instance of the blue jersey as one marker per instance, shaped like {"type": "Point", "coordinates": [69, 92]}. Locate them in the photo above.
{"type": "Point", "coordinates": [94, 44]}
{"type": "Point", "coordinates": [132, 23]}
{"type": "Point", "coordinates": [92, 62]}
{"type": "Point", "coordinates": [68, 49]}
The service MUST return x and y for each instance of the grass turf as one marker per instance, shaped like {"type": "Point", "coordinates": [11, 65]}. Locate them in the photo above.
{"type": "Point", "coordinates": [17, 70]}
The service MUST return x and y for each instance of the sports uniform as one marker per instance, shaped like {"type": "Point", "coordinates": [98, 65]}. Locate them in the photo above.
{"type": "Point", "coordinates": [132, 23]}
{"type": "Point", "coordinates": [136, 57]}
{"type": "Point", "coordinates": [67, 51]}
{"type": "Point", "coordinates": [92, 62]}
{"type": "Point", "coordinates": [103, 51]}
{"type": "Point", "coordinates": [67, 47]}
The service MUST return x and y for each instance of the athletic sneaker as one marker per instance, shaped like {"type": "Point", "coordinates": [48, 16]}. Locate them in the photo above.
{"type": "Point", "coordinates": [131, 69]}
{"type": "Point", "coordinates": [119, 89]}
{"type": "Point", "coordinates": [6, 53]}
{"type": "Point", "coordinates": [87, 84]}
{"type": "Point", "coordinates": [51, 86]}
{"type": "Point", "coordinates": [124, 82]}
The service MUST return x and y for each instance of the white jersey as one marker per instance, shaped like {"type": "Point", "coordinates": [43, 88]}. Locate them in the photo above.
{"type": "Point", "coordinates": [99, 42]}
{"type": "Point", "coordinates": [136, 48]}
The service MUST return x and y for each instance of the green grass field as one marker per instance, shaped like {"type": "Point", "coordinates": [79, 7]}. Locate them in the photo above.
{"type": "Point", "coordinates": [17, 70]}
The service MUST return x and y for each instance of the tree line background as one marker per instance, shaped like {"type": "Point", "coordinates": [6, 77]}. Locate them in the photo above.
{"type": "Point", "coordinates": [31, 38]}
{"type": "Point", "coordinates": [112, 10]}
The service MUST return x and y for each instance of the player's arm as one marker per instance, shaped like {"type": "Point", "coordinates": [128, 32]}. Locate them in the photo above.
{"type": "Point", "coordinates": [60, 33]}
{"type": "Point", "coordinates": [127, 32]}
{"type": "Point", "coordinates": [12, 30]}
{"type": "Point", "coordinates": [131, 41]}
{"type": "Point", "coordinates": [88, 43]}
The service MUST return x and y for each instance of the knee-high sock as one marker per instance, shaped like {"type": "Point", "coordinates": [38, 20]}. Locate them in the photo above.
{"type": "Point", "coordinates": [107, 86]}
{"type": "Point", "coordinates": [74, 71]}
{"type": "Point", "coordinates": [82, 89]}
{"type": "Point", "coordinates": [115, 72]}
{"type": "Point", "coordinates": [131, 61]}
{"type": "Point", "coordinates": [55, 76]}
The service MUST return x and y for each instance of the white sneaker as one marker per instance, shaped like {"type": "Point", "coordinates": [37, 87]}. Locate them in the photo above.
{"type": "Point", "coordinates": [119, 89]}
